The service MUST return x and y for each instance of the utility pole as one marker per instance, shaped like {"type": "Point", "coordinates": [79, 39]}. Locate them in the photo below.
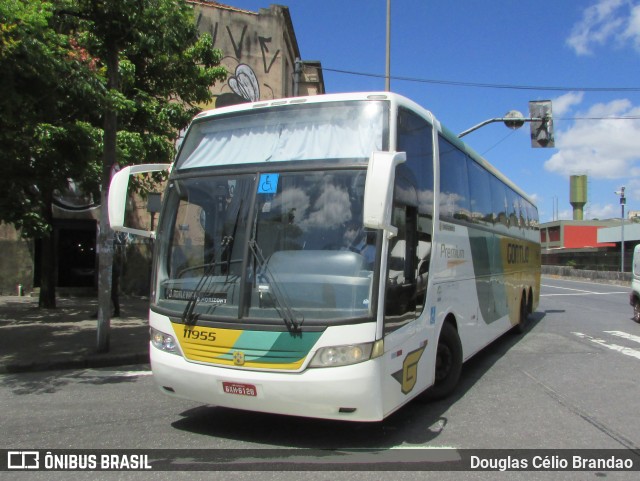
{"type": "Point", "coordinates": [297, 73]}
{"type": "Point", "coordinates": [387, 75]}
{"type": "Point", "coordinates": [105, 234]}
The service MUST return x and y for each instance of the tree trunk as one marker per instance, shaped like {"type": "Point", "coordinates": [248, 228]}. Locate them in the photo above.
{"type": "Point", "coordinates": [48, 271]}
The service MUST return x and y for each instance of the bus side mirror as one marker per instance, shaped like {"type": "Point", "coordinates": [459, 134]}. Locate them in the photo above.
{"type": "Point", "coordinates": [378, 190]}
{"type": "Point", "coordinates": [118, 194]}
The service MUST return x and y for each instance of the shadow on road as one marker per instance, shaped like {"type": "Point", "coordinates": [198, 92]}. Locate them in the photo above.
{"type": "Point", "coordinates": [417, 423]}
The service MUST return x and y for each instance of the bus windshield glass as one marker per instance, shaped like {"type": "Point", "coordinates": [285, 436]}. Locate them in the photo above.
{"type": "Point", "coordinates": [335, 130]}
{"type": "Point", "coordinates": [267, 247]}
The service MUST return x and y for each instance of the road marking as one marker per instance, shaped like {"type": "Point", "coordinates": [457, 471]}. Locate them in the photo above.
{"type": "Point", "coordinates": [627, 351]}
{"type": "Point", "coordinates": [584, 293]}
{"type": "Point", "coordinates": [624, 335]}
{"type": "Point", "coordinates": [565, 288]}
{"type": "Point", "coordinates": [578, 292]}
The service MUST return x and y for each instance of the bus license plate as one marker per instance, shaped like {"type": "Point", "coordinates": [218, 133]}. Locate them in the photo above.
{"type": "Point", "coordinates": [239, 389]}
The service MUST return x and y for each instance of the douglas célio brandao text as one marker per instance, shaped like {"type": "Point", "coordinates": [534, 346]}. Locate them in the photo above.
{"type": "Point", "coordinates": [569, 462]}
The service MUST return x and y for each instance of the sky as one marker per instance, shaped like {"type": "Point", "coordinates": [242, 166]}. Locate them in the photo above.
{"type": "Point", "coordinates": [468, 61]}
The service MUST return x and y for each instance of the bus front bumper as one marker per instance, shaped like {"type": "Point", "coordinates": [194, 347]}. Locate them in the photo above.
{"type": "Point", "coordinates": [350, 393]}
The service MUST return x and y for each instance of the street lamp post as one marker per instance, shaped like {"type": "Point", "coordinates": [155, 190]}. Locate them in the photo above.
{"type": "Point", "coordinates": [623, 201]}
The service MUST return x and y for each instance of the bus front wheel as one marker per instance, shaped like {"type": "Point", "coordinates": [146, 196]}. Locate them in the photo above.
{"type": "Point", "coordinates": [448, 364]}
{"type": "Point", "coordinates": [636, 310]}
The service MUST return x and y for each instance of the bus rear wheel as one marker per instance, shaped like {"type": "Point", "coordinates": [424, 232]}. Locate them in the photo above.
{"type": "Point", "coordinates": [448, 364]}
{"type": "Point", "coordinates": [523, 322]}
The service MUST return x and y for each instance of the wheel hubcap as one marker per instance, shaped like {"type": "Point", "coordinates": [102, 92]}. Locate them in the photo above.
{"type": "Point", "coordinates": [444, 360]}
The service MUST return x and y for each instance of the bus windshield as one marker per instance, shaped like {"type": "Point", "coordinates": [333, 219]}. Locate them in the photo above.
{"type": "Point", "coordinates": [282, 246]}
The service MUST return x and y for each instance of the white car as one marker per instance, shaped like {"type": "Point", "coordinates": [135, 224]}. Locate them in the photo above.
{"type": "Point", "coordinates": [634, 297]}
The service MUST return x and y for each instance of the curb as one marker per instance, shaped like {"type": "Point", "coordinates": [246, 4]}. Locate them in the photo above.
{"type": "Point", "coordinates": [94, 361]}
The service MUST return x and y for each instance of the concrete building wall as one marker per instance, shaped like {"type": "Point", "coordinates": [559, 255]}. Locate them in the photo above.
{"type": "Point", "coordinates": [614, 234]}
{"type": "Point", "coordinates": [582, 236]}
{"type": "Point", "coordinates": [573, 234]}
{"type": "Point", "coordinates": [16, 261]}
{"type": "Point", "coordinates": [260, 52]}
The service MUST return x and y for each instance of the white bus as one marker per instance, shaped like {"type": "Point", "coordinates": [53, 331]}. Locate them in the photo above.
{"type": "Point", "coordinates": [332, 256]}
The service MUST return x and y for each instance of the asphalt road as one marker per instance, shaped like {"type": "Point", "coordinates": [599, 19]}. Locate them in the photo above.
{"type": "Point", "coordinates": [571, 382]}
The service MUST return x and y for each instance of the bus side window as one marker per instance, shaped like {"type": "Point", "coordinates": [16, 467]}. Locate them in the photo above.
{"type": "Point", "coordinates": [500, 204]}
{"type": "Point", "coordinates": [454, 186]}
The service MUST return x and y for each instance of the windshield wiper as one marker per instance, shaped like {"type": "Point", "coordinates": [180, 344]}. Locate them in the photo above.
{"type": "Point", "coordinates": [228, 240]}
{"type": "Point", "coordinates": [282, 306]}
{"type": "Point", "coordinates": [188, 315]}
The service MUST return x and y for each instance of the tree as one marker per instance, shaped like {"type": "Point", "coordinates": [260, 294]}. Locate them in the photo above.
{"type": "Point", "coordinates": [87, 85]}
{"type": "Point", "coordinates": [157, 70]}
{"type": "Point", "coordinates": [48, 103]}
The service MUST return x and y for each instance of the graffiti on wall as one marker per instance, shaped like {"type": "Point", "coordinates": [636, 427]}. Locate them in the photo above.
{"type": "Point", "coordinates": [245, 83]}
{"type": "Point", "coordinates": [247, 72]}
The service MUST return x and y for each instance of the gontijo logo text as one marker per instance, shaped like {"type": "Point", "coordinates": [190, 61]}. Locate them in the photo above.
{"type": "Point", "coordinates": [517, 254]}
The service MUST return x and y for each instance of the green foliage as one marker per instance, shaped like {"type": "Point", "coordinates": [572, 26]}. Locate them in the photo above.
{"type": "Point", "coordinates": [53, 93]}
{"type": "Point", "coordinates": [49, 103]}
{"type": "Point", "coordinates": [165, 69]}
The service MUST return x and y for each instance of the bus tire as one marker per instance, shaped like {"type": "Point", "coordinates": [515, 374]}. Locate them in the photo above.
{"type": "Point", "coordinates": [636, 310]}
{"type": "Point", "coordinates": [523, 321]}
{"type": "Point", "coordinates": [448, 364]}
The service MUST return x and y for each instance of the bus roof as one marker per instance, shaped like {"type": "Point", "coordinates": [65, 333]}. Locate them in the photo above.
{"type": "Point", "coordinates": [395, 99]}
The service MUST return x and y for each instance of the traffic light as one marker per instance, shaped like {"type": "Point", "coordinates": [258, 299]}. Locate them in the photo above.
{"type": "Point", "coordinates": [542, 126]}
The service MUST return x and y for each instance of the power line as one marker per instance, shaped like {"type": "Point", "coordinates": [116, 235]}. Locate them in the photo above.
{"type": "Point", "coordinates": [499, 142]}
{"type": "Point", "coordinates": [617, 117]}
{"type": "Point", "coordinates": [486, 85]}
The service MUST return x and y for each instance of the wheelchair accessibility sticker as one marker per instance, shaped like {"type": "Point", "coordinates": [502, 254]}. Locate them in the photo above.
{"type": "Point", "coordinates": [268, 183]}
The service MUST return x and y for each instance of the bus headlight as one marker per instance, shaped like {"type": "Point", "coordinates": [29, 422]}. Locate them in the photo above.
{"type": "Point", "coordinates": [335, 356]}
{"type": "Point", "coordinates": [163, 341]}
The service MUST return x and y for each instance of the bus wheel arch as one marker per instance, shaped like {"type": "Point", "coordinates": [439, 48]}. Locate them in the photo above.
{"type": "Point", "coordinates": [448, 362]}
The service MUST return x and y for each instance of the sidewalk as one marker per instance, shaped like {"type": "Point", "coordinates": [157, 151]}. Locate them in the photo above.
{"type": "Point", "coordinates": [33, 339]}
